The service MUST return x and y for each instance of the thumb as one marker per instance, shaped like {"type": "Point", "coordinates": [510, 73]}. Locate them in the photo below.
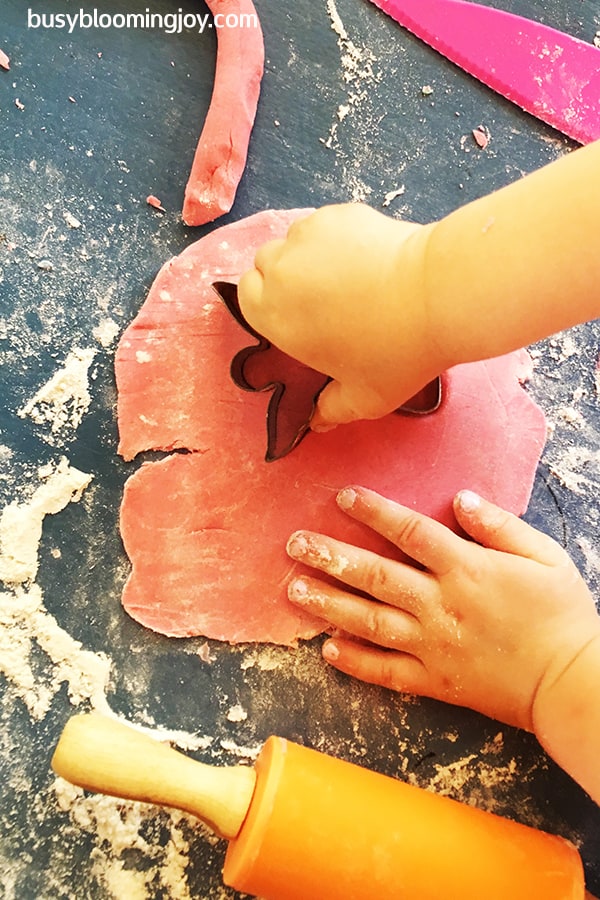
{"type": "Point", "coordinates": [498, 529]}
{"type": "Point", "coordinates": [338, 404]}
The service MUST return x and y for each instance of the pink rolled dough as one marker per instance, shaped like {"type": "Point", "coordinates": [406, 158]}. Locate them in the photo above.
{"type": "Point", "coordinates": [205, 530]}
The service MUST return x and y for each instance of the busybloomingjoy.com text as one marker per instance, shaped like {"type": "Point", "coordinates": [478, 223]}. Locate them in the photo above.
{"type": "Point", "coordinates": [170, 23]}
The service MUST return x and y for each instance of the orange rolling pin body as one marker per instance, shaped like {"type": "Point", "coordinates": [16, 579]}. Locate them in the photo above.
{"type": "Point", "coordinates": [322, 829]}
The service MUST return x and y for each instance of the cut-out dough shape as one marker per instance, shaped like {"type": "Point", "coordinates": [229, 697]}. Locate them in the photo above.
{"type": "Point", "coordinates": [206, 530]}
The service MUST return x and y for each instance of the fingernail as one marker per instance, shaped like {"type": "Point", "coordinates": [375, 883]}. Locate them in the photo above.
{"type": "Point", "coordinates": [297, 546]}
{"type": "Point", "coordinates": [346, 498]}
{"type": "Point", "coordinates": [468, 501]}
{"type": "Point", "coordinates": [331, 652]}
{"type": "Point", "coordinates": [298, 591]}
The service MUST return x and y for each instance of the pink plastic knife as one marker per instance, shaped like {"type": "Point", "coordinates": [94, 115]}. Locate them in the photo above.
{"type": "Point", "coordinates": [550, 74]}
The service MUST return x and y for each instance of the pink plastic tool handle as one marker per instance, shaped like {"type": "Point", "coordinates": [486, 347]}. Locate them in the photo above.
{"type": "Point", "coordinates": [552, 75]}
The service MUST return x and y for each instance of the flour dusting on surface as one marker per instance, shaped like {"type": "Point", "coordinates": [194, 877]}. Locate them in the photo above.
{"type": "Point", "coordinates": [28, 629]}
{"type": "Point", "coordinates": [21, 522]}
{"type": "Point", "coordinates": [61, 403]}
{"type": "Point", "coordinates": [118, 827]}
{"type": "Point", "coordinates": [38, 658]}
{"type": "Point", "coordinates": [106, 332]}
{"type": "Point", "coordinates": [360, 75]}
{"type": "Point", "coordinates": [572, 453]}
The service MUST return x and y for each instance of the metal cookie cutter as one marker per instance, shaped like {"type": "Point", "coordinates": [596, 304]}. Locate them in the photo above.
{"type": "Point", "coordinates": [295, 387]}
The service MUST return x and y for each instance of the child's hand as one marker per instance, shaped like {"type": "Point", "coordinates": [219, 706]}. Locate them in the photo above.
{"type": "Point", "coordinates": [384, 306]}
{"type": "Point", "coordinates": [489, 625]}
{"type": "Point", "coordinates": [343, 294]}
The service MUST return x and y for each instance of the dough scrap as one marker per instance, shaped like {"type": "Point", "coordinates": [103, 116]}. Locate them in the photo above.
{"type": "Point", "coordinates": [222, 149]}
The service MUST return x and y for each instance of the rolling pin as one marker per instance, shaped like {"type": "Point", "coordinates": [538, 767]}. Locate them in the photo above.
{"type": "Point", "coordinates": [305, 826]}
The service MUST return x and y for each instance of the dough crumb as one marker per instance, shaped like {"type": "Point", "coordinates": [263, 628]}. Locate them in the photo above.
{"type": "Point", "coordinates": [205, 655]}
{"type": "Point", "coordinates": [155, 203]}
{"type": "Point", "coordinates": [481, 135]}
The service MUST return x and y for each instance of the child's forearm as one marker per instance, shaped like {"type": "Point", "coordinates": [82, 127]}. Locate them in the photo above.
{"type": "Point", "coordinates": [519, 264]}
{"type": "Point", "coordinates": [566, 718]}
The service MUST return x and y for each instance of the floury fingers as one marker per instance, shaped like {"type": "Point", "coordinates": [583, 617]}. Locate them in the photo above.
{"type": "Point", "coordinates": [170, 23]}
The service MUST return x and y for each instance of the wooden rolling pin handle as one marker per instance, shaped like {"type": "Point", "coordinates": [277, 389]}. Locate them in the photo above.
{"type": "Point", "coordinates": [104, 755]}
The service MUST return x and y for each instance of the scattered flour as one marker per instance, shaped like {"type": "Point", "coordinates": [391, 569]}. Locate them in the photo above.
{"type": "Point", "coordinates": [570, 415]}
{"type": "Point", "coordinates": [38, 657]}
{"type": "Point", "coordinates": [26, 629]}
{"type": "Point", "coordinates": [236, 713]}
{"type": "Point", "coordinates": [591, 555]}
{"type": "Point", "coordinates": [63, 401]}
{"type": "Point", "coordinates": [106, 332]}
{"type": "Point", "coordinates": [451, 780]}
{"type": "Point", "coordinates": [393, 195]}
{"type": "Point", "coordinates": [572, 454]}
{"type": "Point", "coordinates": [359, 75]}
{"type": "Point", "coordinates": [242, 752]}
{"type": "Point", "coordinates": [6, 456]}
{"type": "Point", "coordinates": [118, 827]}
{"type": "Point", "coordinates": [564, 346]}
{"type": "Point", "coordinates": [267, 659]}
{"type": "Point", "coordinates": [21, 523]}
{"type": "Point", "coordinates": [577, 467]}
{"type": "Point", "coordinates": [71, 220]}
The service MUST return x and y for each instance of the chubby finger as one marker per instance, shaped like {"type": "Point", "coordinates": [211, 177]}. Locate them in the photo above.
{"type": "Point", "coordinates": [268, 254]}
{"type": "Point", "coordinates": [251, 286]}
{"type": "Point", "coordinates": [385, 579]}
{"type": "Point", "coordinates": [339, 404]}
{"type": "Point", "coordinates": [250, 290]}
{"type": "Point", "coordinates": [333, 408]}
{"type": "Point", "coordinates": [498, 529]}
{"type": "Point", "coordinates": [301, 228]}
{"type": "Point", "coordinates": [421, 538]}
{"type": "Point", "coordinates": [398, 671]}
{"type": "Point", "coordinates": [369, 620]}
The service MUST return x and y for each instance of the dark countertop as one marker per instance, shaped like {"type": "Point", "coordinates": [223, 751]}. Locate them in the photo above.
{"type": "Point", "coordinates": [108, 117]}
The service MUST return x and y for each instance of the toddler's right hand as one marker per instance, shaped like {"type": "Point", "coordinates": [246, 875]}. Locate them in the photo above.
{"type": "Point", "coordinates": [343, 293]}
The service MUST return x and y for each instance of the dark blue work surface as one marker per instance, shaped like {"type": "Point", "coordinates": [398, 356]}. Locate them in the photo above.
{"type": "Point", "coordinates": [91, 123]}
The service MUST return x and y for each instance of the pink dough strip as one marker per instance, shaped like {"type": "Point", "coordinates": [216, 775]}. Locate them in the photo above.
{"type": "Point", "coordinates": [222, 150]}
{"type": "Point", "coordinates": [4, 61]}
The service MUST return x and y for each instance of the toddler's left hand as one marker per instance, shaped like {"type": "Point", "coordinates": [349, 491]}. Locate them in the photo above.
{"type": "Point", "coordinates": [485, 625]}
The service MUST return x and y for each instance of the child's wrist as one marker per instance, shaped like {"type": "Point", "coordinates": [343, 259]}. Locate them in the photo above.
{"type": "Point", "coordinates": [566, 716]}
{"type": "Point", "coordinates": [438, 352]}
